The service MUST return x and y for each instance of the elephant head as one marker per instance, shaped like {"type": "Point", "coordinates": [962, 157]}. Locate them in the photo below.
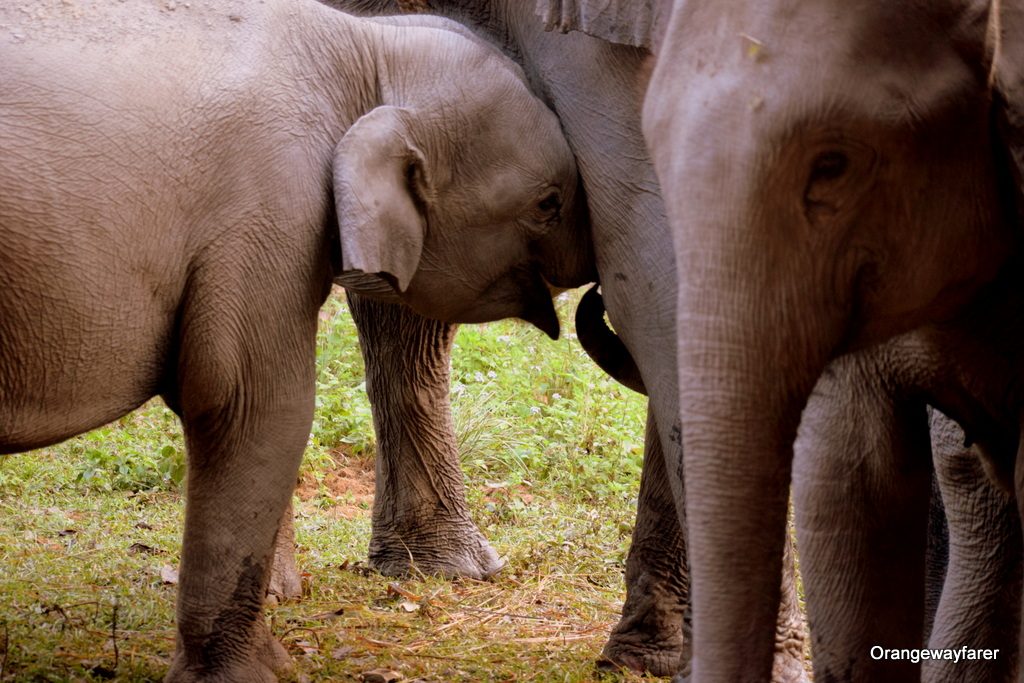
{"type": "Point", "coordinates": [834, 173]}
{"type": "Point", "coordinates": [437, 193]}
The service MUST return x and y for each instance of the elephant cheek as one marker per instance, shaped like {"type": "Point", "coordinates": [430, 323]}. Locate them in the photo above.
{"type": "Point", "coordinates": [521, 294]}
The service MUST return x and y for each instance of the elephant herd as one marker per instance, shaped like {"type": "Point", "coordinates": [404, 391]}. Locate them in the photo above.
{"type": "Point", "coordinates": [803, 217]}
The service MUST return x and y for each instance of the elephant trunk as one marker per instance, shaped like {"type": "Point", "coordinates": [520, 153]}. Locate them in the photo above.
{"type": "Point", "coordinates": [602, 344]}
{"type": "Point", "coordinates": [750, 351]}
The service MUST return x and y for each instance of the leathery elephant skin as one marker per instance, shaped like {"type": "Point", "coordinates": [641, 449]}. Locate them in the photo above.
{"type": "Point", "coordinates": [863, 458]}
{"type": "Point", "coordinates": [431, 525]}
{"type": "Point", "coordinates": [823, 197]}
{"type": "Point", "coordinates": [171, 201]}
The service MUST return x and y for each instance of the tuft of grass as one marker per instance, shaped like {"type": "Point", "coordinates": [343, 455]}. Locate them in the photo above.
{"type": "Point", "coordinates": [551, 450]}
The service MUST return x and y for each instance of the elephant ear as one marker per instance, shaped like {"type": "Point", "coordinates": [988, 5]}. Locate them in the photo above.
{"type": "Point", "coordinates": [378, 179]}
{"type": "Point", "coordinates": [1009, 81]}
{"type": "Point", "coordinates": [628, 22]}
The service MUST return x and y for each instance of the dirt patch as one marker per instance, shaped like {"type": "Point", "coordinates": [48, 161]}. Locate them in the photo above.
{"type": "Point", "coordinates": [348, 484]}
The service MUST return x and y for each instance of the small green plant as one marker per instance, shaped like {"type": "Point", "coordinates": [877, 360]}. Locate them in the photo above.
{"type": "Point", "coordinates": [140, 451]}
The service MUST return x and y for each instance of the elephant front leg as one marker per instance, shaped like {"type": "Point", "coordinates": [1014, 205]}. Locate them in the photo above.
{"type": "Point", "coordinates": [238, 489]}
{"type": "Point", "coordinates": [245, 387]}
{"type": "Point", "coordinates": [862, 482]}
{"type": "Point", "coordinates": [421, 521]}
{"type": "Point", "coordinates": [980, 603]}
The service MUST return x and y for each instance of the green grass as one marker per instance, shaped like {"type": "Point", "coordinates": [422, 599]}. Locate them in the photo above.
{"type": "Point", "coordinates": [551, 451]}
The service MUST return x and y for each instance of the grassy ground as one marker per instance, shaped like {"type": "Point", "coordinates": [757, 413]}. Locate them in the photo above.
{"type": "Point", "coordinates": [89, 531]}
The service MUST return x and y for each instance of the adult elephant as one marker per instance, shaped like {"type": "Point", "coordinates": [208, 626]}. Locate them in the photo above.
{"type": "Point", "coordinates": [420, 516]}
{"type": "Point", "coordinates": [833, 177]}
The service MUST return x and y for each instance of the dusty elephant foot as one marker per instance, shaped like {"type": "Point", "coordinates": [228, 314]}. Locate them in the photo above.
{"type": "Point", "coordinates": [267, 659]}
{"type": "Point", "coordinates": [649, 637]}
{"type": "Point", "coordinates": [449, 549]}
{"type": "Point", "coordinates": [285, 581]}
{"type": "Point", "coordinates": [642, 657]}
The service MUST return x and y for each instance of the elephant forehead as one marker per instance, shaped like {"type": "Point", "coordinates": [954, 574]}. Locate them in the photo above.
{"type": "Point", "coordinates": [503, 190]}
{"type": "Point", "coordinates": [883, 60]}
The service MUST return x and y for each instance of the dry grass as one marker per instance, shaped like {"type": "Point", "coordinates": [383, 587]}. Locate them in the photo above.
{"type": "Point", "coordinates": [84, 572]}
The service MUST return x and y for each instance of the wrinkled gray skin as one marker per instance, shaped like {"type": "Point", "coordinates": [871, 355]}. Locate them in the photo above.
{"type": "Point", "coordinates": [861, 477]}
{"type": "Point", "coordinates": [832, 178]}
{"type": "Point", "coordinates": [420, 517]}
{"type": "Point", "coordinates": [172, 190]}
{"type": "Point", "coordinates": [824, 195]}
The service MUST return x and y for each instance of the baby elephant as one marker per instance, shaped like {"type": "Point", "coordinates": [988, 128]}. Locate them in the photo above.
{"type": "Point", "coordinates": [177, 191]}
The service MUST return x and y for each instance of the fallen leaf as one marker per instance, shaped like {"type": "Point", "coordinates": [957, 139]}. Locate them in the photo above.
{"type": "Point", "coordinates": [136, 548]}
{"type": "Point", "coordinates": [408, 606]}
{"type": "Point", "coordinates": [169, 575]}
{"type": "Point", "coordinates": [380, 676]}
{"type": "Point", "coordinates": [342, 652]}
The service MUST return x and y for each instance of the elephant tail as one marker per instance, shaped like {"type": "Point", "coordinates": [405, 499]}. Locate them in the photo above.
{"type": "Point", "coordinates": [602, 344]}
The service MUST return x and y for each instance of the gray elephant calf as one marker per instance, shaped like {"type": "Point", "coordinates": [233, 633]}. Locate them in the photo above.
{"type": "Point", "coordinates": [173, 191]}
{"type": "Point", "coordinates": [861, 484]}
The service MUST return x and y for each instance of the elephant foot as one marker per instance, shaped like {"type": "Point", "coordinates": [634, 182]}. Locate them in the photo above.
{"type": "Point", "coordinates": [642, 658]}
{"type": "Point", "coordinates": [651, 637]}
{"type": "Point", "coordinates": [452, 549]}
{"type": "Point", "coordinates": [265, 661]}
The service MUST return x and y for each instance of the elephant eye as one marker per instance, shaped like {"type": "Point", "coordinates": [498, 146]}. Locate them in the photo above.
{"type": "Point", "coordinates": [549, 207]}
{"type": "Point", "coordinates": [829, 166]}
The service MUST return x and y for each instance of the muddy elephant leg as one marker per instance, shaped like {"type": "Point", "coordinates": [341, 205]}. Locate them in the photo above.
{"type": "Point", "coordinates": [980, 604]}
{"type": "Point", "coordinates": [862, 481]}
{"type": "Point", "coordinates": [421, 522]}
{"type": "Point", "coordinates": [653, 634]}
{"type": "Point", "coordinates": [245, 384]}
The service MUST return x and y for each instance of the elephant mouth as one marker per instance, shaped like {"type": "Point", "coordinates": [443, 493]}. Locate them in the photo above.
{"type": "Point", "coordinates": [543, 317]}
{"type": "Point", "coordinates": [523, 294]}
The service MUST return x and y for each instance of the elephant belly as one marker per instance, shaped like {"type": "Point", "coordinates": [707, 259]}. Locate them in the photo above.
{"type": "Point", "coordinates": [78, 348]}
